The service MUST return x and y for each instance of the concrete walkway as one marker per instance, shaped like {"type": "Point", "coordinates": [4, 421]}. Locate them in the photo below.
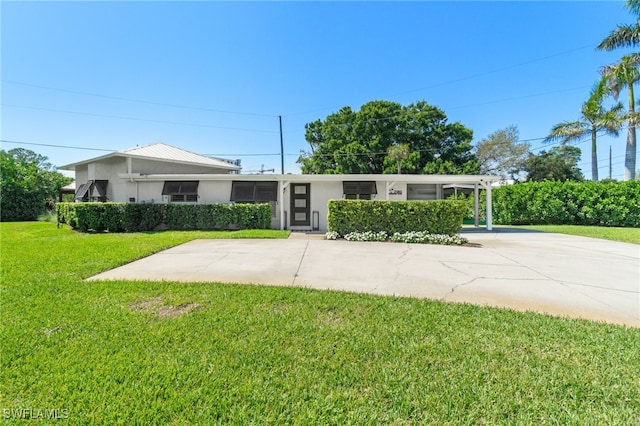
{"type": "Point", "coordinates": [523, 270]}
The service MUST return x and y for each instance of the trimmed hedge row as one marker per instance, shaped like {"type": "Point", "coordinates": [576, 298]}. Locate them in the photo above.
{"type": "Point", "coordinates": [130, 217]}
{"type": "Point", "coordinates": [435, 217]}
{"type": "Point", "coordinates": [568, 203]}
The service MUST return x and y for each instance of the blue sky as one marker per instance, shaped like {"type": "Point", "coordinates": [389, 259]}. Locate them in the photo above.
{"type": "Point", "coordinates": [213, 77]}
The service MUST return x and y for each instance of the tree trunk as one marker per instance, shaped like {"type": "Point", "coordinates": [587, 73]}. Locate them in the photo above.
{"type": "Point", "coordinates": [594, 156]}
{"type": "Point", "coordinates": [630, 151]}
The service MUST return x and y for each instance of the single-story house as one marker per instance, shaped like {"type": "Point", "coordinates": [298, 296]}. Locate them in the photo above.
{"type": "Point", "coordinates": [160, 173]}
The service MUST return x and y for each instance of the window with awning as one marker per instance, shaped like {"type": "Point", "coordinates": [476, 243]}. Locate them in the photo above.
{"type": "Point", "coordinates": [359, 190]}
{"type": "Point", "coordinates": [254, 191]}
{"type": "Point", "coordinates": [181, 191]}
{"type": "Point", "coordinates": [93, 190]}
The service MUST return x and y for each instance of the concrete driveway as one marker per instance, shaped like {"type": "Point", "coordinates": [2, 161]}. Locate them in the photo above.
{"type": "Point", "coordinates": [523, 270]}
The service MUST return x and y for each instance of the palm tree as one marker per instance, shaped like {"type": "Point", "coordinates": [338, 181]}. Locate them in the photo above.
{"type": "Point", "coordinates": [626, 74]}
{"type": "Point", "coordinates": [595, 119]}
{"type": "Point", "coordinates": [399, 153]}
{"type": "Point", "coordinates": [618, 76]}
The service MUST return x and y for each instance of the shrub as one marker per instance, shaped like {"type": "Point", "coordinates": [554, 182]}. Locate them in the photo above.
{"type": "Point", "coordinates": [426, 238]}
{"type": "Point", "coordinates": [436, 217]}
{"type": "Point", "coordinates": [568, 203]}
{"type": "Point", "coordinates": [130, 217]}
{"type": "Point", "coordinates": [406, 237]}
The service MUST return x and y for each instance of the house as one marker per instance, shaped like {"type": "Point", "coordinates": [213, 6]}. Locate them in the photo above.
{"type": "Point", "coordinates": [160, 173]}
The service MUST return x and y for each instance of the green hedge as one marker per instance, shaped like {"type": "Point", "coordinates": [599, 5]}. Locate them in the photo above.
{"type": "Point", "coordinates": [436, 217]}
{"type": "Point", "coordinates": [130, 217]}
{"type": "Point", "coordinates": [568, 203]}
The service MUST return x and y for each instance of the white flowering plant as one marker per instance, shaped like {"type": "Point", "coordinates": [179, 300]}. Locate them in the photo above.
{"type": "Point", "coordinates": [415, 237]}
{"type": "Point", "coordinates": [421, 237]}
{"type": "Point", "coordinates": [332, 235]}
{"type": "Point", "coordinates": [367, 236]}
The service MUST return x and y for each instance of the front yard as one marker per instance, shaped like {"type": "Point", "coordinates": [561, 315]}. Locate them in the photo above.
{"type": "Point", "coordinates": [174, 353]}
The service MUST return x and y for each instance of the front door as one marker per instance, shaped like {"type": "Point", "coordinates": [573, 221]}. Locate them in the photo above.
{"type": "Point", "coordinates": [300, 204]}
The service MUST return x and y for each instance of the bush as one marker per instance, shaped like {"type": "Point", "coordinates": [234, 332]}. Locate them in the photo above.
{"type": "Point", "coordinates": [435, 217]}
{"type": "Point", "coordinates": [129, 217]}
{"type": "Point", "coordinates": [416, 237]}
{"type": "Point", "coordinates": [568, 203]}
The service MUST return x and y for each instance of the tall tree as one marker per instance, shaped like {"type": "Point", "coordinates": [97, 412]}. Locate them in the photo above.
{"type": "Point", "coordinates": [358, 141]}
{"type": "Point", "coordinates": [595, 119]}
{"type": "Point", "coordinates": [618, 76]}
{"type": "Point", "coordinates": [622, 74]}
{"type": "Point", "coordinates": [27, 181]}
{"type": "Point", "coordinates": [399, 153]}
{"type": "Point", "coordinates": [501, 154]}
{"type": "Point", "coordinates": [560, 163]}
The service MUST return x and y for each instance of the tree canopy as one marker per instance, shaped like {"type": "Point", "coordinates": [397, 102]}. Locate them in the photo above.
{"type": "Point", "coordinates": [27, 181]}
{"type": "Point", "coordinates": [358, 142]}
{"type": "Point", "coordinates": [501, 154]}
{"type": "Point", "coordinates": [560, 163]}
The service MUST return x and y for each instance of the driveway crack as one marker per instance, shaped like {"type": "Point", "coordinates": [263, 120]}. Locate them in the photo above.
{"type": "Point", "coordinates": [304, 252]}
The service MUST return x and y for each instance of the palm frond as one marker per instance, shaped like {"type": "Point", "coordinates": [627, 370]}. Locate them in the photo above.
{"type": "Point", "coordinates": [623, 36]}
{"type": "Point", "coordinates": [568, 131]}
{"type": "Point", "coordinates": [633, 118]}
{"type": "Point", "coordinates": [634, 7]}
{"type": "Point", "coordinates": [622, 74]}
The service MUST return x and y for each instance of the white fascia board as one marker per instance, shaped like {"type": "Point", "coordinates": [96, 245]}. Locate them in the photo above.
{"type": "Point", "coordinates": [438, 179]}
{"type": "Point", "coordinates": [73, 166]}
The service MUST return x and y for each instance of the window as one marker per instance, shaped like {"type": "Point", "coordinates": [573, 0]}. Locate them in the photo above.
{"type": "Point", "coordinates": [255, 192]}
{"type": "Point", "coordinates": [98, 191]}
{"type": "Point", "coordinates": [93, 190]}
{"type": "Point", "coordinates": [181, 191]}
{"type": "Point", "coordinates": [422, 191]}
{"type": "Point", "coordinates": [363, 190]}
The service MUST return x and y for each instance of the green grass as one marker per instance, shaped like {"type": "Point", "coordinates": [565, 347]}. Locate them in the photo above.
{"type": "Point", "coordinates": [104, 352]}
{"type": "Point", "coordinates": [626, 235]}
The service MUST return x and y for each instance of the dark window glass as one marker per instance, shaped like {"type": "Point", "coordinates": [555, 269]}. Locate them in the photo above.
{"type": "Point", "coordinates": [362, 190]}
{"type": "Point", "coordinates": [254, 192]}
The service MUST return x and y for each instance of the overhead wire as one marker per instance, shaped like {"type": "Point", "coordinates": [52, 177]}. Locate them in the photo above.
{"type": "Point", "coordinates": [118, 98]}
{"type": "Point", "coordinates": [138, 119]}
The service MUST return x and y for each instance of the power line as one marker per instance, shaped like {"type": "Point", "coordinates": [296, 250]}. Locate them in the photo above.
{"type": "Point", "coordinates": [138, 119]}
{"type": "Point", "coordinates": [125, 99]}
{"type": "Point", "coordinates": [55, 146]}
{"type": "Point", "coordinates": [518, 98]}
{"type": "Point", "coordinates": [482, 74]}
{"type": "Point", "coordinates": [78, 92]}
{"type": "Point", "coordinates": [111, 150]}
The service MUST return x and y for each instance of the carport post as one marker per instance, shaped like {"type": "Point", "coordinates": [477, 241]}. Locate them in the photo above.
{"type": "Point", "coordinates": [489, 217]}
{"type": "Point", "coordinates": [281, 188]}
{"type": "Point", "coordinates": [476, 206]}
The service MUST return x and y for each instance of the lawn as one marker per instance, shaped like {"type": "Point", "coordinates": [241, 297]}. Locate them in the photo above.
{"type": "Point", "coordinates": [123, 352]}
{"type": "Point", "coordinates": [625, 235]}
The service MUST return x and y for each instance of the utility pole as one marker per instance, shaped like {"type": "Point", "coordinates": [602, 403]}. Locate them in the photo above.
{"type": "Point", "coordinates": [281, 147]}
{"type": "Point", "coordinates": [262, 169]}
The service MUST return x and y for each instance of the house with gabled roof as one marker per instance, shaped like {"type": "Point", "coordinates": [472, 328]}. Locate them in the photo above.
{"type": "Point", "coordinates": [98, 179]}
{"type": "Point", "coordinates": [160, 173]}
